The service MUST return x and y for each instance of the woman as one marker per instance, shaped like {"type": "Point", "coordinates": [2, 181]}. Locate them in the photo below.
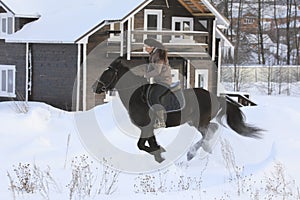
{"type": "Point", "coordinates": [159, 71]}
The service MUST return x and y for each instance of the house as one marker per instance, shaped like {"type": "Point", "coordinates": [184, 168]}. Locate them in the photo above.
{"type": "Point", "coordinates": [53, 51]}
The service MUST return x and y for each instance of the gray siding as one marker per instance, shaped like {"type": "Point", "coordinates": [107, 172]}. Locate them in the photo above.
{"type": "Point", "coordinates": [54, 74]}
{"type": "Point", "coordinates": [14, 54]}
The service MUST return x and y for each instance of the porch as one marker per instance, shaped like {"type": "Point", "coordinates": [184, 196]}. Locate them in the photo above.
{"type": "Point", "coordinates": [188, 44]}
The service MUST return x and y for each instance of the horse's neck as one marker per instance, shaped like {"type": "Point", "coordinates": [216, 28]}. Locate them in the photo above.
{"type": "Point", "coordinates": [128, 84]}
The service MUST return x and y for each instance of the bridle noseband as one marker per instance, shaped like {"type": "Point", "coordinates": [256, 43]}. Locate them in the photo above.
{"type": "Point", "coordinates": [104, 87]}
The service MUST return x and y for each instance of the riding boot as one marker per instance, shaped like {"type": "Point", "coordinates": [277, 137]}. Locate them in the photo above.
{"type": "Point", "coordinates": [160, 119]}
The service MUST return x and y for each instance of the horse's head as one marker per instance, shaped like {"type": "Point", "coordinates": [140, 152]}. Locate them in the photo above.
{"type": "Point", "coordinates": [109, 78]}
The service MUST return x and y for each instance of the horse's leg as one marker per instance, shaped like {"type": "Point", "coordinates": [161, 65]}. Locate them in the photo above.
{"type": "Point", "coordinates": [142, 145]}
{"type": "Point", "coordinates": [211, 130]}
{"type": "Point", "coordinates": [207, 134]}
{"type": "Point", "coordinates": [193, 150]}
{"type": "Point", "coordinates": [156, 149]}
{"type": "Point", "coordinates": [153, 143]}
{"type": "Point", "coordinates": [153, 148]}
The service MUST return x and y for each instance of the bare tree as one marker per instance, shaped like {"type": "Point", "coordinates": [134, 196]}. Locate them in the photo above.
{"type": "Point", "coordinates": [297, 39]}
{"type": "Point", "coordinates": [277, 32]}
{"type": "Point", "coordinates": [237, 46]}
{"type": "Point", "coordinates": [261, 48]}
{"type": "Point", "coordinates": [288, 34]}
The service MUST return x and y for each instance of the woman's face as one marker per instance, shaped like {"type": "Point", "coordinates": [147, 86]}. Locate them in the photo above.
{"type": "Point", "coordinates": [148, 49]}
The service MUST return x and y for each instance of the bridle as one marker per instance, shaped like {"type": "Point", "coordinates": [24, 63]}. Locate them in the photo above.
{"type": "Point", "coordinates": [112, 81]}
{"type": "Point", "coordinates": [104, 86]}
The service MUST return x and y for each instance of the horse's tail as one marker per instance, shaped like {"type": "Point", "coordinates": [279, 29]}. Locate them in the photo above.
{"type": "Point", "coordinates": [236, 119]}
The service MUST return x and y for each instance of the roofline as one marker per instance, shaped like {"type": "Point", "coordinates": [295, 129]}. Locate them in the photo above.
{"type": "Point", "coordinates": [216, 13]}
{"type": "Point", "coordinates": [27, 16]}
{"type": "Point", "coordinates": [79, 40]}
{"type": "Point", "coordinates": [20, 15]}
{"type": "Point", "coordinates": [39, 41]}
{"type": "Point", "coordinates": [137, 9]}
{"type": "Point", "coordinates": [94, 29]}
{"type": "Point", "coordinates": [6, 7]}
{"type": "Point", "coordinates": [221, 34]}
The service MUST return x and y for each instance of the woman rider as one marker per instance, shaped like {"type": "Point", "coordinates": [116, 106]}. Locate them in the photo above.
{"type": "Point", "coordinates": [159, 71]}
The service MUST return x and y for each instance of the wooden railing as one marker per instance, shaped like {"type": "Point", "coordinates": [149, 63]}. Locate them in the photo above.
{"type": "Point", "coordinates": [240, 99]}
{"type": "Point", "coordinates": [178, 43]}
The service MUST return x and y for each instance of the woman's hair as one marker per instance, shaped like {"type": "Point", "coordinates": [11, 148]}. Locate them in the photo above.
{"type": "Point", "coordinates": [163, 55]}
{"type": "Point", "coordinates": [160, 50]}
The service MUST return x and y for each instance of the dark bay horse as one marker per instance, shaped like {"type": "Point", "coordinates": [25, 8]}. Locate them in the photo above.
{"type": "Point", "coordinates": [200, 108]}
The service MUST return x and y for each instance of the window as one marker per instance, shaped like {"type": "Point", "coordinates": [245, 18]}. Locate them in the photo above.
{"type": "Point", "coordinates": [248, 20]}
{"type": "Point", "coordinates": [153, 22]}
{"type": "Point", "coordinates": [6, 24]}
{"type": "Point", "coordinates": [201, 78]}
{"type": "Point", "coordinates": [182, 24]}
{"type": "Point", "coordinates": [7, 80]}
{"type": "Point", "coordinates": [175, 75]}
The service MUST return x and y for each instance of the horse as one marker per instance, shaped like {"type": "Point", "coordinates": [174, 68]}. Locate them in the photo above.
{"type": "Point", "coordinates": [201, 106]}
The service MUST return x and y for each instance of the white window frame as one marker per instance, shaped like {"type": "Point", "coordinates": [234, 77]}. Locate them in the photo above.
{"type": "Point", "coordinates": [159, 14]}
{"type": "Point", "coordinates": [181, 20]}
{"type": "Point", "coordinates": [175, 75]}
{"type": "Point", "coordinates": [249, 20]}
{"type": "Point", "coordinates": [6, 16]}
{"type": "Point", "coordinates": [204, 73]}
{"type": "Point", "coordinates": [4, 92]}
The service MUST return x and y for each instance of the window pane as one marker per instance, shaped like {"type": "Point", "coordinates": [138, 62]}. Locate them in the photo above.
{"type": "Point", "coordinates": [152, 22]}
{"type": "Point", "coordinates": [186, 26]}
{"type": "Point", "coordinates": [177, 26]}
{"type": "Point", "coordinates": [3, 25]}
{"type": "Point", "coordinates": [10, 25]}
{"type": "Point", "coordinates": [10, 76]}
{"type": "Point", "coordinates": [3, 80]}
{"type": "Point", "coordinates": [200, 81]}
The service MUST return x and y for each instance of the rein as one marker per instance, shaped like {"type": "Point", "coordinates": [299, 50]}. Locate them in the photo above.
{"type": "Point", "coordinates": [104, 87]}
{"type": "Point", "coordinates": [115, 77]}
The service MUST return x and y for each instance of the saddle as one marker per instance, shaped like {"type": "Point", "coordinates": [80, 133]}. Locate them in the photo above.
{"type": "Point", "coordinates": [172, 100]}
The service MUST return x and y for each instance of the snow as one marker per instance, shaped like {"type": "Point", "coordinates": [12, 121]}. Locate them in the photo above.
{"type": "Point", "coordinates": [267, 10]}
{"type": "Point", "coordinates": [238, 168]}
{"type": "Point", "coordinates": [67, 20]}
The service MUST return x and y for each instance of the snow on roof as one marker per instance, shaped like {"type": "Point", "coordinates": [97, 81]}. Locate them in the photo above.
{"type": "Point", "coordinates": [65, 21]}
{"type": "Point", "coordinates": [23, 8]}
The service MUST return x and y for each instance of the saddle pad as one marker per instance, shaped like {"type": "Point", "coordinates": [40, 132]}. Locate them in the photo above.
{"type": "Point", "coordinates": [172, 100]}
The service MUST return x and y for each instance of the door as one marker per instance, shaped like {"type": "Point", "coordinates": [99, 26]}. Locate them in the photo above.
{"type": "Point", "coordinates": [153, 22]}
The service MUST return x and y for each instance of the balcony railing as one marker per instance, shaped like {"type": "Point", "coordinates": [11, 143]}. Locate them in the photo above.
{"type": "Point", "coordinates": [178, 43]}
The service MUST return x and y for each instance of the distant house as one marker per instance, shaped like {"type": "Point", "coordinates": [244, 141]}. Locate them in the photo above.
{"type": "Point", "coordinates": [52, 51]}
{"type": "Point", "coordinates": [249, 16]}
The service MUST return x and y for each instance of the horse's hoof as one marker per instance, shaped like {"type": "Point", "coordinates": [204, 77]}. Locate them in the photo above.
{"type": "Point", "coordinates": [190, 156]}
{"type": "Point", "coordinates": [158, 158]}
{"type": "Point", "coordinates": [206, 147]}
{"type": "Point", "coordinates": [161, 149]}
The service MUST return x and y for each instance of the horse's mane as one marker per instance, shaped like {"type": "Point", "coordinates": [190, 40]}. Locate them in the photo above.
{"type": "Point", "coordinates": [136, 66]}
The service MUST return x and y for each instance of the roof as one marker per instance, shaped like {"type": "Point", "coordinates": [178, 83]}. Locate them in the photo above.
{"type": "Point", "coordinates": [68, 21]}
{"type": "Point", "coordinates": [204, 8]}
{"type": "Point", "coordinates": [64, 21]}
{"type": "Point", "coordinates": [22, 9]}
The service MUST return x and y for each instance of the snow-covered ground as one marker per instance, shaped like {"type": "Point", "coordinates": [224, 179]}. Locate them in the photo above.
{"type": "Point", "coordinates": [42, 157]}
